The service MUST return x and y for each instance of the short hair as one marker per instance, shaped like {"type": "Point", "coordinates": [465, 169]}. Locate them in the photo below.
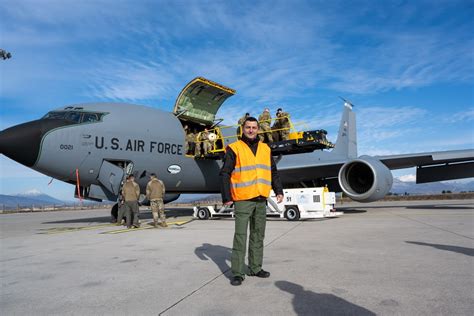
{"type": "Point", "coordinates": [247, 114]}
{"type": "Point", "coordinates": [130, 176]}
{"type": "Point", "coordinates": [153, 175]}
{"type": "Point", "coordinates": [250, 119]}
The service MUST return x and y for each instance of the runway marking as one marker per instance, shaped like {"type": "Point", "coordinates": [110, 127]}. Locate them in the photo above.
{"type": "Point", "coordinates": [58, 230]}
{"type": "Point", "coordinates": [146, 226]}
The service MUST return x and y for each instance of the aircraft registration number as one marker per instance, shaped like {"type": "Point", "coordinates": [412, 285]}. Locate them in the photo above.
{"type": "Point", "coordinates": [66, 147]}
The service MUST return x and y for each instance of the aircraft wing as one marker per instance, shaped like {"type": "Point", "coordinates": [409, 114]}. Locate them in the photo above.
{"type": "Point", "coordinates": [434, 166]}
{"type": "Point", "coordinates": [431, 166]}
{"type": "Point", "coordinates": [300, 172]}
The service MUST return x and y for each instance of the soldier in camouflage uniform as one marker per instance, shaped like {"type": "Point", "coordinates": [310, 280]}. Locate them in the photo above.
{"type": "Point", "coordinates": [264, 122]}
{"type": "Point", "coordinates": [283, 124]}
{"type": "Point", "coordinates": [205, 142]}
{"type": "Point", "coordinates": [121, 210]}
{"type": "Point", "coordinates": [189, 141]}
{"type": "Point", "coordinates": [155, 191]}
{"type": "Point", "coordinates": [131, 193]}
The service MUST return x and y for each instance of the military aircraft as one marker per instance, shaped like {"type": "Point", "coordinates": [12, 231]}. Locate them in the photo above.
{"type": "Point", "coordinates": [94, 146]}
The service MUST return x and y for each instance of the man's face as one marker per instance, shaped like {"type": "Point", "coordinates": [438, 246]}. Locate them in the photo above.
{"type": "Point", "coordinates": [250, 129]}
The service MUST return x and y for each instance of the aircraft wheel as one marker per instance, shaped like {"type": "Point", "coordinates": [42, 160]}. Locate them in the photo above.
{"type": "Point", "coordinates": [114, 213]}
{"type": "Point", "coordinates": [203, 213]}
{"type": "Point", "coordinates": [292, 213]}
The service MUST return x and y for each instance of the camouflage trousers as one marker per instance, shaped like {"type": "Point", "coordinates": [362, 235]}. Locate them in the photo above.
{"type": "Point", "coordinates": [266, 132]}
{"type": "Point", "coordinates": [189, 147]}
{"type": "Point", "coordinates": [158, 209]}
{"type": "Point", "coordinates": [285, 132]}
{"type": "Point", "coordinates": [206, 147]}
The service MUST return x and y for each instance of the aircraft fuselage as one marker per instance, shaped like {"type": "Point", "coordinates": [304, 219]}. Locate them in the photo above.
{"type": "Point", "coordinates": [153, 140]}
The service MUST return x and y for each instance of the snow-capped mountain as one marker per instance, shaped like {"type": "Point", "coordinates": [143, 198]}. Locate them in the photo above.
{"type": "Point", "coordinates": [39, 197]}
{"type": "Point", "coordinates": [28, 199]}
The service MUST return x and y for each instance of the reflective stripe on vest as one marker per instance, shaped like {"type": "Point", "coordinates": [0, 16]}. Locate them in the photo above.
{"type": "Point", "coordinates": [252, 175]}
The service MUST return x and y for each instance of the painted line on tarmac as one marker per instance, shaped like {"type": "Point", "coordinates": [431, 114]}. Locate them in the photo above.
{"type": "Point", "coordinates": [146, 226]}
{"type": "Point", "coordinates": [59, 230]}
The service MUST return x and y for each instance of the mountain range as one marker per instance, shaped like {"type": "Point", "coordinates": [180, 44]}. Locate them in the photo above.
{"type": "Point", "coordinates": [400, 187]}
{"type": "Point", "coordinates": [29, 199]}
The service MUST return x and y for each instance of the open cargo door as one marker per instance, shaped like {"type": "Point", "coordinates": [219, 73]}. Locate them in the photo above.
{"type": "Point", "coordinates": [200, 100]}
{"type": "Point", "coordinates": [110, 176]}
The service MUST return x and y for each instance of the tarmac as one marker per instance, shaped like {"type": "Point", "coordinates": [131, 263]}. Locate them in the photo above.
{"type": "Point", "coordinates": [386, 258]}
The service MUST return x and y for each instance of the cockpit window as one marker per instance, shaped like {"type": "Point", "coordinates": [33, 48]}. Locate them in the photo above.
{"type": "Point", "coordinates": [75, 116]}
{"type": "Point", "coordinates": [90, 117]}
{"type": "Point", "coordinates": [55, 115]}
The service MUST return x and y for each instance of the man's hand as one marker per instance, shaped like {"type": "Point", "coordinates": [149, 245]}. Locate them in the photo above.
{"type": "Point", "coordinates": [228, 203]}
{"type": "Point", "coordinates": [279, 198]}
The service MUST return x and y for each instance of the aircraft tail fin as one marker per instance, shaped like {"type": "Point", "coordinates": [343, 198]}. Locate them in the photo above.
{"type": "Point", "coordinates": [346, 144]}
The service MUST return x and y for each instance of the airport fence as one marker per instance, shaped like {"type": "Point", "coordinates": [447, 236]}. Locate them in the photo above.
{"type": "Point", "coordinates": [54, 207]}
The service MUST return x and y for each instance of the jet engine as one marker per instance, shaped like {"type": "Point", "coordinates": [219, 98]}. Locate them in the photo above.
{"type": "Point", "coordinates": [365, 179]}
{"type": "Point", "coordinates": [170, 197]}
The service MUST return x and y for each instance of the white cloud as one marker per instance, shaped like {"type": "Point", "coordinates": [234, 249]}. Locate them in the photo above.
{"type": "Point", "coordinates": [461, 117]}
{"type": "Point", "coordinates": [408, 178]}
{"type": "Point", "coordinates": [271, 51]}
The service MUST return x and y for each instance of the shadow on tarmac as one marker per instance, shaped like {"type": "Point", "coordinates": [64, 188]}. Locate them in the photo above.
{"type": "Point", "coordinates": [350, 210]}
{"type": "Point", "coordinates": [463, 250]}
{"type": "Point", "coordinates": [220, 255]}
{"type": "Point", "coordinates": [144, 214]}
{"type": "Point", "coordinates": [444, 207]}
{"type": "Point", "coordinates": [311, 303]}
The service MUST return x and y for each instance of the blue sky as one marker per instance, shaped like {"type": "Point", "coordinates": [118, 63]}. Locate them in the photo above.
{"type": "Point", "coordinates": [406, 65]}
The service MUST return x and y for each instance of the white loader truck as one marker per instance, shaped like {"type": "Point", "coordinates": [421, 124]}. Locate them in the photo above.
{"type": "Point", "coordinates": [297, 204]}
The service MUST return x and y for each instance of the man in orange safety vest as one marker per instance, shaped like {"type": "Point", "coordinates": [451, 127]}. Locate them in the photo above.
{"type": "Point", "coordinates": [248, 175]}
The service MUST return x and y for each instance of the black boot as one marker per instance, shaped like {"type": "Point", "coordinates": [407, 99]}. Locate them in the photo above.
{"type": "Point", "coordinates": [237, 280]}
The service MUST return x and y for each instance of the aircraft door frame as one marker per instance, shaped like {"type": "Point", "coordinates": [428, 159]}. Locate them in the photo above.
{"type": "Point", "coordinates": [111, 176]}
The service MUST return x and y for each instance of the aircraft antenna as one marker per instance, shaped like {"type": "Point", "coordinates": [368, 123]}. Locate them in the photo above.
{"type": "Point", "coordinates": [347, 102]}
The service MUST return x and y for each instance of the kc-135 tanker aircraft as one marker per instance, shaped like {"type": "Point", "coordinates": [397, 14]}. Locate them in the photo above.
{"type": "Point", "coordinates": [94, 146]}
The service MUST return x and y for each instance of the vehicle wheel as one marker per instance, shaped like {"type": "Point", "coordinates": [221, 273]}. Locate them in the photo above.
{"type": "Point", "coordinates": [114, 213]}
{"type": "Point", "coordinates": [292, 213]}
{"type": "Point", "coordinates": [203, 213]}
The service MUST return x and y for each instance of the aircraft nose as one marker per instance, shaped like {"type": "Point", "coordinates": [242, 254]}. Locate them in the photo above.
{"type": "Point", "coordinates": [22, 142]}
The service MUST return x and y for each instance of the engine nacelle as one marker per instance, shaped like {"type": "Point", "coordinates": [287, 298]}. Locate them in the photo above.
{"type": "Point", "coordinates": [170, 197]}
{"type": "Point", "coordinates": [365, 179]}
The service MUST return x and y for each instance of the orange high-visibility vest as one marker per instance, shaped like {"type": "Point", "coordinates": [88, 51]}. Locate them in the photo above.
{"type": "Point", "coordinates": [252, 176]}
